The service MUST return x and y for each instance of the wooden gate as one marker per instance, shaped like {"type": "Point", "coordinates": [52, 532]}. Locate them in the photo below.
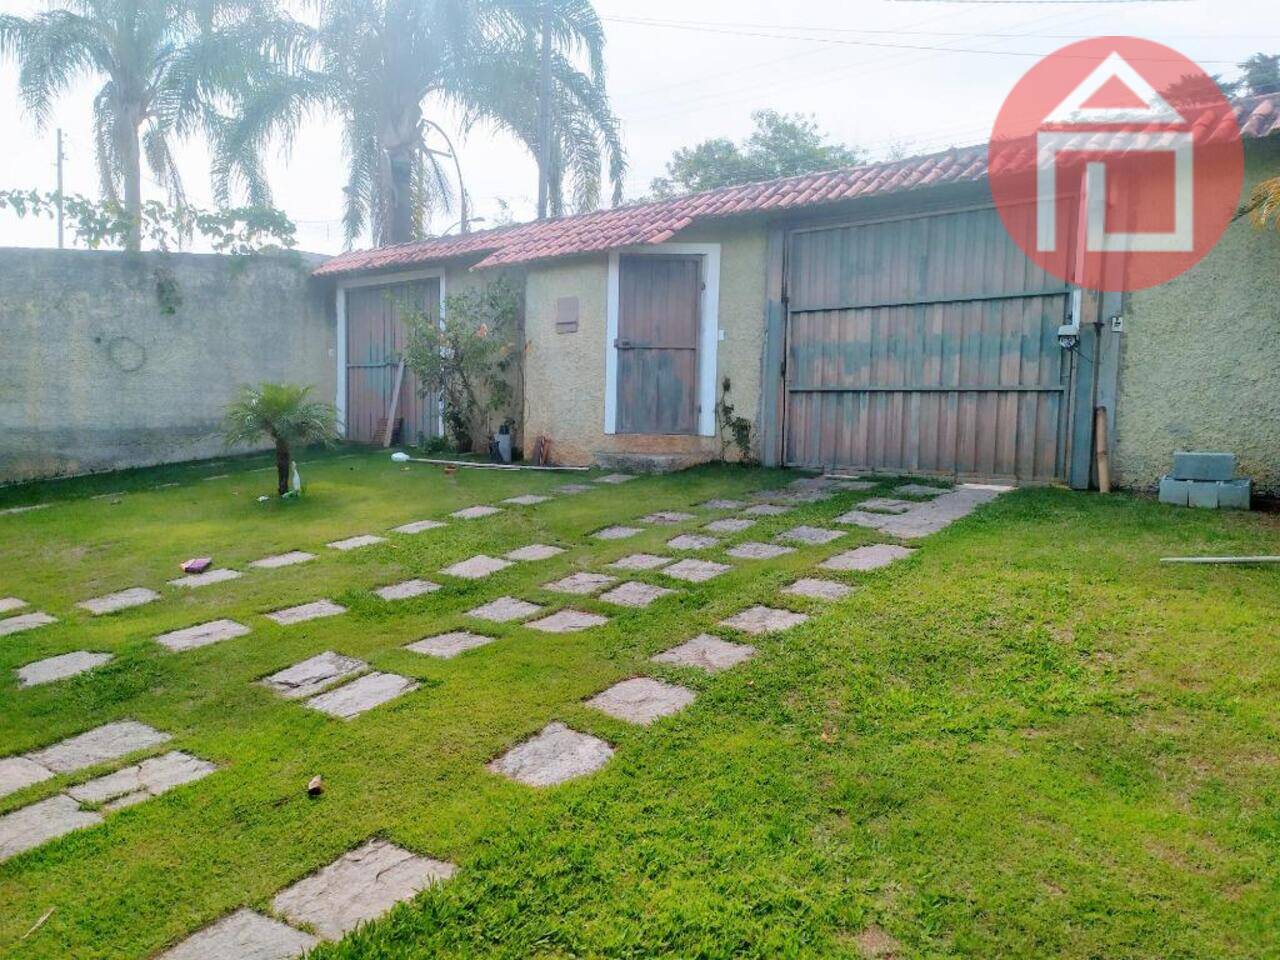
{"type": "Point", "coordinates": [926, 344]}
{"type": "Point", "coordinates": [375, 344]}
{"type": "Point", "coordinates": [658, 314]}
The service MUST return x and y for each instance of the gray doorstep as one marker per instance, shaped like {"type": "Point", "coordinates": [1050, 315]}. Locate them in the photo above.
{"type": "Point", "coordinates": [642, 700]}
{"type": "Point", "coordinates": [371, 690]}
{"type": "Point", "coordinates": [555, 755]}
{"type": "Point", "coordinates": [761, 619]}
{"type": "Point", "coordinates": [60, 667]}
{"type": "Point", "coordinates": [306, 611]}
{"type": "Point", "coordinates": [449, 645]}
{"type": "Point", "coordinates": [202, 634]}
{"type": "Point", "coordinates": [122, 600]}
{"type": "Point", "coordinates": [312, 675]}
{"type": "Point", "coordinates": [243, 935]}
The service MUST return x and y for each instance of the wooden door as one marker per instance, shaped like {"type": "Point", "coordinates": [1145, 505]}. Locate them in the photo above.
{"type": "Point", "coordinates": [376, 337]}
{"type": "Point", "coordinates": [657, 344]}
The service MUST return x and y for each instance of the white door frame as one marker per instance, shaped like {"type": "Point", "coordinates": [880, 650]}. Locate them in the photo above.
{"type": "Point", "coordinates": [708, 332]}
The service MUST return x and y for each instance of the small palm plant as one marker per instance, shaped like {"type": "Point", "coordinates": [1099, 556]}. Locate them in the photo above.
{"type": "Point", "coordinates": [1263, 205]}
{"type": "Point", "coordinates": [285, 413]}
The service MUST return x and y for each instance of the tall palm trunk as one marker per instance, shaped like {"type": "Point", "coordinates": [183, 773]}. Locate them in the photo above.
{"type": "Point", "coordinates": [399, 225]}
{"type": "Point", "coordinates": [282, 466]}
{"type": "Point", "coordinates": [130, 151]}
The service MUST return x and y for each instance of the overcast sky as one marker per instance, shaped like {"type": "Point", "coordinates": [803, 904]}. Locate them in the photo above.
{"type": "Point", "coordinates": [919, 75]}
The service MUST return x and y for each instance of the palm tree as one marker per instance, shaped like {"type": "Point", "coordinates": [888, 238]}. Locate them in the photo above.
{"type": "Point", "coordinates": [1263, 205]}
{"type": "Point", "coordinates": [378, 63]}
{"type": "Point", "coordinates": [165, 64]}
{"type": "Point", "coordinates": [283, 412]}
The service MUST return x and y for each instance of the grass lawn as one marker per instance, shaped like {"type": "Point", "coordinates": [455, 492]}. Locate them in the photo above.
{"type": "Point", "coordinates": [1029, 739]}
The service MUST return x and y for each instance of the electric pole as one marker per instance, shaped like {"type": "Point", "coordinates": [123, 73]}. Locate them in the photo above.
{"type": "Point", "coordinates": [59, 165]}
{"type": "Point", "coordinates": [544, 115]}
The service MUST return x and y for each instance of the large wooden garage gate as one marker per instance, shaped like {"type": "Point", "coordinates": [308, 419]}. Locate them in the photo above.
{"type": "Point", "coordinates": [924, 344]}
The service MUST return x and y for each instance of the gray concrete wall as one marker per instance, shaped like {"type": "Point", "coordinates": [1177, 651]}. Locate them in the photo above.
{"type": "Point", "coordinates": [96, 375]}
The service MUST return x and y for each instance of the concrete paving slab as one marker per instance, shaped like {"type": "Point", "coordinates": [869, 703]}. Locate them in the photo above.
{"type": "Point", "coordinates": [616, 533]}
{"type": "Point", "coordinates": [418, 526]}
{"type": "Point", "coordinates": [312, 675]}
{"type": "Point", "coordinates": [60, 667]}
{"type": "Point", "coordinates": [121, 600]}
{"type": "Point", "coordinates": [760, 619]}
{"type": "Point", "coordinates": [243, 935]}
{"type": "Point", "coordinates": [202, 634]}
{"type": "Point", "coordinates": [407, 590]}
{"type": "Point", "coordinates": [928, 517]}
{"type": "Point", "coordinates": [221, 575]}
{"type": "Point", "coordinates": [758, 551]}
{"type": "Point", "coordinates": [526, 500]}
{"type": "Point", "coordinates": [446, 646]}
{"type": "Point", "coordinates": [9, 604]}
{"type": "Point", "coordinates": [359, 886]}
{"type": "Point", "coordinates": [766, 510]}
{"type": "Point", "coordinates": [25, 621]}
{"type": "Point", "coordinates": [816, 589]}
{"type": "Point", "coordinates": [355, 543]}
{"type": "Point", "coordinates": [110, 741]}
{"type": "Point", "coordinates": [581, 584]}
{"type": "Point", "coordinates": [555, 755]}
{"type": "Point", "coordinates": [723, 503]}
{"type": "Point", "coordinates": [475, 513]}
{"type": "Point", "coordinates": [615, 478]}
{"type": "Point", "coordinates": [692, 541]}
{"type": "Point", "coordinates": [533, 552]}
{"type": "Point", "coordinates": [306, 611]}
{"type": "Point", "coordinates": [642, 700]}
{"type": "Point", "coordinates": [640, 561]}
{"type": "Point", "coordinates": [859, 486]}
{"type": "Point", "coordinates": [145, 780]}
{"type": "Point", "coordinates": [871, 557]}
{"type": "Point", "coordinates": [504, 610]}
{"type": "Point", "coordinates": [667, 517]}
{"type": "Point", "coordinates": [29, 827]}
{"type": "Point", "coordinates": [812, 536]}
{"type": "Point", "coordinates": [17, 773]}
{"type": "Point", "coordinates": [476, 568]}
{"type": "Point", "coordinates": [283, 560]}
{"type": "Point", "coordinates": [919, 490]}
{"type": "Point", "coordinates": [568, 621]}
{"type": "Point", "coordinates": [776, 493]}
{"type": "Point", "coordinates": [634, 594]}
{"type": "Point", "coordinates": [862, 518]}
{"type": "Point", "coordinates": [886, 505]}
{"type": "Point", "coordinates": [696, 571]}
{"type": "Point", "coordinates": [363, 694]}
{"type": "Point", "coordinates": [572, 488]}
{"type": "Point", "coordinates": [807, 496]}
{"type": "Point", "coordinates": [730, 525]}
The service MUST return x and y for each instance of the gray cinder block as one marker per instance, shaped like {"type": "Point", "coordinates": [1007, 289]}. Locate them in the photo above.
{"type": "Point", "coordinates": [1234, 494]}
{"type": "Point", "coordinates": [1200, 465]}
{"type": "Point", "coordinates": [1202, 493]}
{"type": "Point", "coordinates": [1174, 491]}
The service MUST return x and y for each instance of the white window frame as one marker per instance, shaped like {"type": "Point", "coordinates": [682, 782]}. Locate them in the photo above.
{"type": "Point", "coordinates": [340, 306]}
{"type": "Point", "coordinates": [708, 330]}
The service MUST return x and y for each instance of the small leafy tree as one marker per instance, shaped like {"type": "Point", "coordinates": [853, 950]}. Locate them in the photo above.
{"type": "Point", "coordinates": [467, 358]}
{"type": "Point", "coordinates": [284, 412]}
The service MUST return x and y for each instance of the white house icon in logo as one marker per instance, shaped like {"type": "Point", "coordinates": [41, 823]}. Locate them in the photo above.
{"type": "Point", "coordinates": [1077, 128]}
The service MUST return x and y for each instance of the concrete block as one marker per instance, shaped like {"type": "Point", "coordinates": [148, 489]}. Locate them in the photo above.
{"type": "Point", "coordinates": [1175, 492]}
{"type": "Point", "coordinates": [1234, 494]}
{"type": "Point", "coordinates": [1201, 465]}
{"type": "Point", "coordinates": [1202, 493]}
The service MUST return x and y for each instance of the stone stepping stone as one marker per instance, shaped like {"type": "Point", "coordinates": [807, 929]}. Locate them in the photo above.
{"type": "Point", "coordinates": [706, 652]}
{"type": "Point", "coordinates": [26, 621]}
{"type": "Point", "coordinates": [535, 551]}
{"type": "Point", "coordinates": [355, 543]}
{"type": "Point", "coordinates": [761, 619]}
{"type": "Point", "coordinates": [616, 533]}
{"type": "Point", "coordinates": [504, 610]}
{"type": "Point", "coordinates": [363, 694]}
{"type": "Point", "coordinates": [816, 589]}
{"type": "Point", "coordinates": [568, 621]}
{"type": "Point", "coordinates": [108, 742]}
{"type": "Point", "coordinates": [148, 779]}
{"type": "Point", "coordinates": [202, 634]}
{"type": "Point", "coordinates": [730, 525]}
{"type": "Point", "coordinates": [871, 557]}
{"type": "Point", "coordinates": [475, 513]}
{"type": "Point", "coordinates": [581, 584]}
{"type": "Point", "coordinates": [243, 935]}
{"type": "Point", "coordinates": [418, 526]}
{"type": "Point", "coordinates": [720, 503]}
{"type": "Point", "coordinates": [204, 579]}
{"type": "Point", "coordinates": [476, 568]}
{"type": "Point", "coordinates": [642, 700]}
{"type": "Point", "coordinates": [640, 561]}
{"type": "Point", "coordinates": [133, 597]}
{"type": "Point", "coordinates": [8, 604]}
{"type": "Point", "coordinates": [407, 589]}
{"type": "Point", "coordinates": [758, 551]}
{"type": "Point", "coordinates": [668, 517]}
{"type": "Point", "coordinates": [775, 494]}
{"type": "Point", "coordinates": [919, 490]}
{"type": "Point", "coordinates": [696, 571]}
{"type": "Point", "coordinates": [766, 510]}
{"type": "Point", "coordinates": [886, 505]}
{"type": "Point", "coordinates": [692, 541]}
{"type": "Point", "coordinates": [17, 773]}
{"type": "Point", "coordinates": [813, 536]}
{"type": "Point", "coordinates": [306, 611]}
{"type": "Point", "coordinates": [555, 755]}
{"type": "Point", "coordinates": [27, 509]}
{"type": "Point", "coordinates": [615, 478]}
{"type": "Point", "coordinates": [60, 667]}
{"type": "Point", "coordinates": [634, 594]}
{"type": "Point", "coordinates": [359, 886]}
{"type": "Point", "coordinates": [572, 488]}
{"type": "Point", "coordinates": [283, 560]}
{"type": "Point", "coordinates": [860, 486]}
{"type": "Point", "coordinates": [29, 827]}
{"type": "Point", "coordinates": [861, 518]}
{"type": "Point", "coordinates": [526, 500]}
{"type": "Point", "coordinates": [807, 496]}
{"type": "Point", "coordinates": [446, 646]}
{"type": "Point", "coordinates": [313, 675]}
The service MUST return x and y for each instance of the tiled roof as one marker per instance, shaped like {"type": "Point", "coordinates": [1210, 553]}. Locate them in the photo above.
{"type": "Point", "coordinates": [658, 222]}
